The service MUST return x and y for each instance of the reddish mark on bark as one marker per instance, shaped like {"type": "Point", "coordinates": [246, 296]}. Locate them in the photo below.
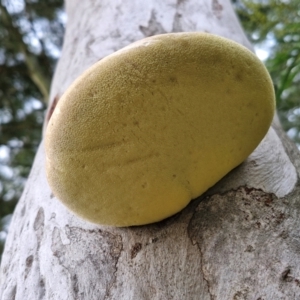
{"type": "Point", "coordinates": [269, 200]}
{"type": "Point", "coordinates": [135, 250]}
{"type": "Point", "coordinates": [248, 190]}
{"type": "Point", "coordinates": [217, 8]}
{"type": "Point", "coordinates": [52, 107]}
{"type": "Point", "coordinates": [280, 218]}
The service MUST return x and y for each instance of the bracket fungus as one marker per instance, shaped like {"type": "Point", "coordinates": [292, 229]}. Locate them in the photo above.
{"type": "Point", "coordinates": [154, 125]}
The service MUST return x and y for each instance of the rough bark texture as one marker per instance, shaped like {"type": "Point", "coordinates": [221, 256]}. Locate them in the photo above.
{"type": "Point", "coordinates": [238, 241]}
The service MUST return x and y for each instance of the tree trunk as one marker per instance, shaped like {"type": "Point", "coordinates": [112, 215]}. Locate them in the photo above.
{"type": "Point", "coordinates": [238, 241]}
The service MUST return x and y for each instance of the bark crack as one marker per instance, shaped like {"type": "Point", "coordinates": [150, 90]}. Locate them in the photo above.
{"type": "Point", "coordinates": [177, 27]}
{"type": "Point", "coordinates": [97, 252]}
{"type": "Point", "coordinates": [154, 27]}
{"type": "Point", "coordinates": [119, 250]}
{"type": "Point", "coordinates": [195, 242]}
{"type": "Point", "coordinates": [203, 274]}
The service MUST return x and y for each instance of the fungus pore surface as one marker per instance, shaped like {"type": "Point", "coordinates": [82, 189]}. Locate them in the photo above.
{"type": "Point", "coordinates": [154, 125]}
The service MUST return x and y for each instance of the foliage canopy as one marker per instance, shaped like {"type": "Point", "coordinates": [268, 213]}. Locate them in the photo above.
{"type": "Point", "coordinates": [275, 24]}
{"type": "Point", "coordinates": [31, 35]}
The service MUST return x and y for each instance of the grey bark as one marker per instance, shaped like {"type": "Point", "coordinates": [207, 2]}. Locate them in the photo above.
{"type": "Point", "coordinates": [240, 240]}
